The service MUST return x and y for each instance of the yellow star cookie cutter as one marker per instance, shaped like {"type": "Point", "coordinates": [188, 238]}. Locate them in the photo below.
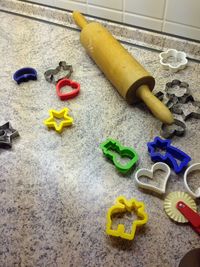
{"type": "Point", "coordinates": [123, 205]}
{"type": "Point", "coordinates": [51, 123]}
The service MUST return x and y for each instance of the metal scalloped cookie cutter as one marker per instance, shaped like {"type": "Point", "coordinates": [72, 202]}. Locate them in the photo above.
{"type": "Point", "coordinates": [192, 168]}
{"type": "Point", "coordinates": [160, 189]}
{"type": "Point", "coordinates": [51, 73]}
{"type": "Point", "coordinates": [178, 128]}
{"type": "Point", "coordinates": [173, 60]}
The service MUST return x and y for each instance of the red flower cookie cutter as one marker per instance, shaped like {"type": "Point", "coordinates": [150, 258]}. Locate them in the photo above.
{"type": "Point", "coordinates": [74, 85]}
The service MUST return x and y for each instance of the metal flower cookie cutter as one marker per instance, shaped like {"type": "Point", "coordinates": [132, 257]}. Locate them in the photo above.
{"type": "Point", "coordinates": [123, 205]}
{"type": "Point", "coordinates": [192, 168]}
{"type": "Point", "coordinates": [160, 189]}
{"type": "Point", "coordinates": [173, 60]}
{"type": "Point", "coordinates": [110, 147]}
{"type": "Point", "coordinates": [178, 92]}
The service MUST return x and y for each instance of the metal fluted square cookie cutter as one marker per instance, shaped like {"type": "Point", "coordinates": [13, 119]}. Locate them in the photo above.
{"type": "Point", "coordinates": [49, 74]}
{"type": "Point", "coordinates": [173, 60]}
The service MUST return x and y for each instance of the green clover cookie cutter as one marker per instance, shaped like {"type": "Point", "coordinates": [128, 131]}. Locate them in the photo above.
{"type": "Point", "coordinates": [111, 145]}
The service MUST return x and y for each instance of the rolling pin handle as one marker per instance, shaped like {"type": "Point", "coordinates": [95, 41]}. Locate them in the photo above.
{"type": "Point", "coordinates": [79, 19]}
{"type": "Point", "coordinates": [158, 109]}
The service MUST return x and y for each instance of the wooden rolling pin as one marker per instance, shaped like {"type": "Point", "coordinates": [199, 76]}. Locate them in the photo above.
{"type": "Point", "coordinates": [132, 81]}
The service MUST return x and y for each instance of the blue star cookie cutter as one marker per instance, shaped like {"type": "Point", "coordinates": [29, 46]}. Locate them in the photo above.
{"type": "Point", "coordinates": [174, 157]}
{"type": "Point", "coordinates": [25, 75]}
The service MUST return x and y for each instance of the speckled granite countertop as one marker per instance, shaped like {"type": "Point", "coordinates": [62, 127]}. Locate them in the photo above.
{"type": "Point", "coordinates": [55, 189]}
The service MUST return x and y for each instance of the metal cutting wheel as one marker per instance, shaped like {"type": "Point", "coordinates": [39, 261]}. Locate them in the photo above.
{"type": "Point", "coordinates": [171, 201]}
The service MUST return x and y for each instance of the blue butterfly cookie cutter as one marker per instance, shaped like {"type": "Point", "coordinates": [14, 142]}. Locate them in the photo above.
{"type": "Point", "coordinates": [174, 157]}
{"type": "Point", "coordinates": [25, 75]}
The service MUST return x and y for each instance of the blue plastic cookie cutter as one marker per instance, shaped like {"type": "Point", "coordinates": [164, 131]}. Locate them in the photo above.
{"type": "Point", "coordinates": [174, 157]}
{"type": "Point", "coordinates": [25, 75]}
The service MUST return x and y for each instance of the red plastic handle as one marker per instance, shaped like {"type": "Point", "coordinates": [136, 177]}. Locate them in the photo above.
{"type": "Point", "coordinates": [192, 216]}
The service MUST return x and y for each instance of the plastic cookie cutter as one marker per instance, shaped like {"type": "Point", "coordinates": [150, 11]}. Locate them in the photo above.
{"type": "Point", "coordinates": [7, 133]}
{"type": "Point", "coordinates": [123, 205]}
{"type": "Point", "coordinates": [62, 114]}
{"type": "Point", "coordinates": [173, 60]}
{"type": "Point", "coordinates": [110, 147]}
{"type": "Point", "coordinates": [74, 85]}
{"type": "Point", "coordinates": [177, 128]}
{"type": "Point", "coordinates": [160, 189]}
{"type": "Point", "coordinates": [192, 168]}
{"type": "Point", "coordinates": [181, 208]}
{"type": "Point", "coordinates": [178, 92]}
{"type": "Point", "coordinates": [51, 73]}
{"type": "Point", "coordinates": [174, 157]}
{"type": "Point", "coordinates": [25, 75]}
{"type": "Point", "coordinates": [187, 110]}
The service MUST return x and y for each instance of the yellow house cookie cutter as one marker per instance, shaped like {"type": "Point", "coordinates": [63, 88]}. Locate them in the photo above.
{"type": "Point", "coordinates": [123, 205]}
{"type": "Point", "coordinates": [51, 123]}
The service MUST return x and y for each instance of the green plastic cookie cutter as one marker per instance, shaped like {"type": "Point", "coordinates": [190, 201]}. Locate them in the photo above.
{"type": "Point", "coordinates": [110, 147]}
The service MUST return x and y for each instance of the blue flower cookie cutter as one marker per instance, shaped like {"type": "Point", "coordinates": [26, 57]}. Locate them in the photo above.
{"type": "Point", "coordinates": [172, 155]}
{"type": "Point", "coordinates": [25, 75]}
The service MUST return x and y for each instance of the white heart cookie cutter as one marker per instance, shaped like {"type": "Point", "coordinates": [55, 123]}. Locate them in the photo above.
{"type": "Point", "coordinates": [178, 58]}
{"type": "Point", "coordinates": [149, 173]}
{"type": "Point", "coordinates": [193, 167]}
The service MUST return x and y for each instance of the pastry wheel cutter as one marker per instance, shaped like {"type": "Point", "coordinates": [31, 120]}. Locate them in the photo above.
{"type": "Point", "coordinates": [192, 216]}
{"type": "Point", "coordinates": [181, 208]}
